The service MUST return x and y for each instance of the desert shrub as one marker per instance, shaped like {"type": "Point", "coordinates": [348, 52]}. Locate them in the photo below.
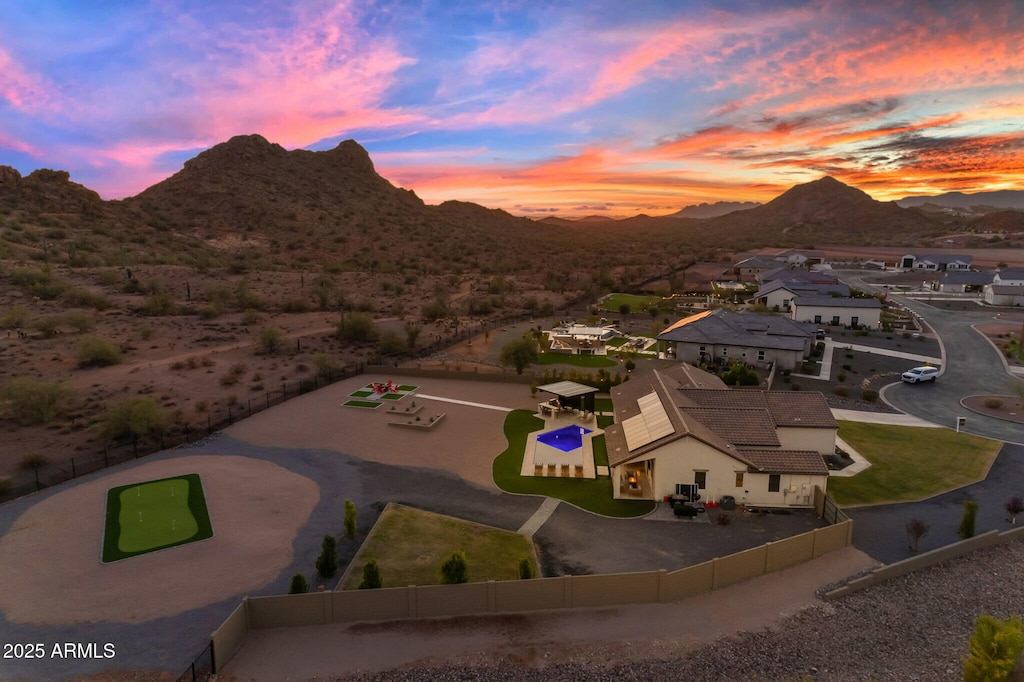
{"type": "Point", "coordinates": [327, 562]}
{"type": "Point", "coordinates": [250, 316]}
{"type": "Point", "coordinates": [33, 462]}
{"type": "Point", "coordinates": [995, 647]}
{"type": "Point", "coordinates": [298, 584]}
{"type": "Point", "coordinates": [210, 311]}
{"type": "Point", "coordinates": [390, 342]}
{"type": "Point", "coordinates": [159, 303]}
{"type": "Point", "coordinates": [80, 320]}
{"type": "Point", "coordinates": [48, 326]}
{"type": "Point", "coordinates": [146, 332]}
{"type": "Point", "coordinates": [16, 317]}
{"type": "Point", "coordinates": [525, 569]}
{"type": "Point", "coordinates": [869, 395]}
{"type": "Point", "coordinates": [109, 277]}
{"type": "Point", "coordinates": [97, 352]}
{"type": "Point", "coordinates": [993, 403]}
{"type": "Point", "coordinates": [372, 579]}
{"type": "Point", "coordinates": [132, 418]}
{"type": "Point", "coordinates": [916, 529]}
{"type": "Point", "coordinates": [738, 374]}
{"type": "Point", "coordinates": [270, 340]}
{"type": "Point", "coordinates": [841, 391]}
{"type": "Point", "coordinates": [296, 305]}
{"type": "Point", "coordinates": [519, 353]}
{"type": "Point", "coordinates": [356, 328]}
{"type": "Point", "coordinates": [326, 365]}
{"type": "Point", "coordinates": [233, 375]}
{"type": "Point", "coordinates": [841, 377]}
{"type": "Point", "coordinates": [85, 298]}
{"type": "Point", "coordinates": [455, 570]}
{"type": "Point", "coordinates": [34, 401]}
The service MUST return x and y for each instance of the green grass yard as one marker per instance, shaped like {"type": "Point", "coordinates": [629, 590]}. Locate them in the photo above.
{"type": "Point", "coordinates": [144, 517]}
{"type": "Point", "coordinates": [367, 404]}
{"type": "Point", "coordinates": [636, 303]}
{"type": "Point", "coordinates": [594, 495]}
{"type": "Point", "coordinates": [410, 545]}
{"type": "Point", "coordinates": [909, 463]}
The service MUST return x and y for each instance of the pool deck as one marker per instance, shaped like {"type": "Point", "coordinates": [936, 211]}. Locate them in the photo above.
{"type": "Point", "coordinates": [543, 460]}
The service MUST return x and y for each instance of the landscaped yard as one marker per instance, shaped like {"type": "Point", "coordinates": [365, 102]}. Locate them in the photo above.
{"type": "Point", "coordinates": [591, 494]}
{"type": "Point", "coordinates": [410, 545]}
{"type": "Point", "coordinates": [636, 303]}
{"type": "Point", "coordinates": [909, 463]}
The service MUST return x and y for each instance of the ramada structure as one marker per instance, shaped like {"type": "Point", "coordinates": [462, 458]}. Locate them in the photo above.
{"type": "Point", "coordinates": [677, 427]}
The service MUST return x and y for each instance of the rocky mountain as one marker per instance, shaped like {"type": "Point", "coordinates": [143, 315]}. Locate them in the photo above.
{"type": "Point", "coordinates": [1001, 199]}
{"type": "Point", "coordinates": [48, 191]}
{"type": "Point", "coordinates": [719, 208]}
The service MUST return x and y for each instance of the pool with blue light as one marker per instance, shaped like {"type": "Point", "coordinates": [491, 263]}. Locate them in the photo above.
{"type": "Point", "coordinates": [566, 439]}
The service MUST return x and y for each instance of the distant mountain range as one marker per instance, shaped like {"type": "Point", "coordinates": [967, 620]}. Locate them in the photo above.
{"type": "Point", "coordinates": [1005, 198]}
{"type": "Point", "coordinates": [249, 202]}
{"type": "Point", "coordinates": [714, 210]}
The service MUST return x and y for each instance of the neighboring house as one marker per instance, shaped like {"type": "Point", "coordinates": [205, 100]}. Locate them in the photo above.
{"type": "Point", "coordinates": [779, 294]}
{"type": "Point", "coordinates": [748, 269]}
{"type": "Point", "coordinates": [1009, 276]}
{"type": "Point", "coordinates": [720, 336]}
{"type": "Point", "coordinates": [799, 257]}
{"type": "Point", "coordinates": [935, 261]}
{"type": "Point", "coordinates": [1004, 295]}
{"type": "Point", "coordinates": [959, 282]}
{"type": "Point", "coordinates": [682, 426]}
{"type": "Point", "coordinates": [578, 339]}
{"type": "Point", "coordinates": [847, 312]}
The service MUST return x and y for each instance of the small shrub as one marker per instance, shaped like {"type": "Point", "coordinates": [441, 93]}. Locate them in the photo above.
{"type": "Point", "coordinates": [296, 305]}
{"type": "Point", "coordinates": [350, 519]}
{"type": "Point", "coordinates": [1014, 506]}
{"type": "Point", "coordinates": [327, 562]}
{"type": "Point", "coordinates": [525, 569]}
{"type": "Point", "coordinates": [454, 570]}
{"type": "Point", "coordinates": [34, 401]}
{"type": "Point", "coordinates": [966, 529]}
{"type": "Point", "coordinates": [269, 340]}
{"type": "Point", "coordinates": [993, 403]}
{"type": "Point", "coordinates": [250, 316]}
{"type": "Point", "coordinates": [326, 365]}
{"type": "Point", "coordinates": [372, 579]}
{"type": "Point", "coordinates": [159, 303]}
{"type": "Point", "coordinates": [97, 352]}
{"type": "Point", "coordinates": [298, 585]}
{"type": "Point", "coordinates": [134, 418]}
{"type": "Point", "coordinates": [995, 647]}
{"type": "Point", "coordinates": [841, 391]}
{"type": "Point", "coordinates": [916, 529]}
{"type": "Point", "coordinates": [841, 377]}
{"type": "Point", "coordinates": [869, 395]}
{"type": "Point", "coordinates": [33, 462]}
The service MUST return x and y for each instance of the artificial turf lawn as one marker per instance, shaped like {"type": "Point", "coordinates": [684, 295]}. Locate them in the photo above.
{"type": "Point", "coordinates": [909, 463]}
{"type": "Point", "coordinates": [594, 495]}
{"type": "Point", "coordinates": [368, 404]}
{"type": "Point", "coordinates": [411, 544]}
{"type": "Point", "coordinates": [144, 517]}
{"type": "Point", "coordinates": [360, 394]}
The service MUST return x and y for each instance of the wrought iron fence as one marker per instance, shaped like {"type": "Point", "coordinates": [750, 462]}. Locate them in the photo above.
{"type": "Point", "coordinates": [201, 668]}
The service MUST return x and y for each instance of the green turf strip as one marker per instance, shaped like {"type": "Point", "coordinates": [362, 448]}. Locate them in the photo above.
{"type": "Point", "coordinates": [406, 388]}
{"type": "Point", "coordinates": [361, 394]}
{"type": "Point", "coordinates": [392, 396]}
{"type": "Point", "coordinates": [151, 515]}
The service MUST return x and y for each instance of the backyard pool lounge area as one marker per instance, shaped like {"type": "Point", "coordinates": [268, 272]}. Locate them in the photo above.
{"type": "Point", "coordinates": [561, 449]}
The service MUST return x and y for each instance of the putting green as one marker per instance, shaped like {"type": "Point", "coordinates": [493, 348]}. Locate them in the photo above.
{"type": "Point", "coordinates": [152, 515]}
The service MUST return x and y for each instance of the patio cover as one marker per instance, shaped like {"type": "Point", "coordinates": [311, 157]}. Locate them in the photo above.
{"type": "Point", "coordinates": [573, 393]}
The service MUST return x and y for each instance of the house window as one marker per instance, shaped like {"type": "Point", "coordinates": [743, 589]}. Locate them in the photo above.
{"type": "Point", "coordinates": [701, 479]}
{"type": "Point", "coordinates": [774, 482]}
{"type": "Point", "coordinates": [739, 479]}
{"type": "Point", "coordinates": [760, 355]}
{"type": "Point", "coordinates": [817, 319]}
{"type": "Point", "coordinates": [835, 320]}
{"type": "Point", "coordinates": [725, 352]}
{"type": "Point", "coordinates": [703, 349]}
{"type": "Point", "coordinates": [854, 320]}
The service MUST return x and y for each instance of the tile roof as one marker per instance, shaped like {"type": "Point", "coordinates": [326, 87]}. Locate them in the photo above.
{"type": "Point", "coordinates": [803, 408]}
{"type": "Point", "coordinates": [833, 302]}
{"type": "Point", "coordinates": [741, 427]}
{"type": "Point", "coordinates": [967, 277]}
{"type": "Point", "coordinates": [751, 330]}
{"type": "Point", "coordinates": [787, 461]}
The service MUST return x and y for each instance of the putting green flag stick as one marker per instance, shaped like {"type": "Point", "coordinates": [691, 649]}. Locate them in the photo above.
{"type": "Point", "coordinates": [140, 517]}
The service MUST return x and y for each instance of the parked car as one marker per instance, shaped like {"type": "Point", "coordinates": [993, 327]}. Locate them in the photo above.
{"type": "Point", "coordinates": [918, 374]}
{"type": "Point", "coordinates": [820, 334]}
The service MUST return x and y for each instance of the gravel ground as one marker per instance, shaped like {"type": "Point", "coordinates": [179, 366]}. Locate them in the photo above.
{"type": "Point", "coordinates": [911, 628]}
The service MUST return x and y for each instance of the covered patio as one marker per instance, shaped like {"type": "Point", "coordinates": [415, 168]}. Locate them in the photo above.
{"type": "Point", "coordinates": [570, 399]}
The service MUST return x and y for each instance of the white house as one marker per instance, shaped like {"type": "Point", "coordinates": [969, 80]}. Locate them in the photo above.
{"type": "Point", "coordinates": [1004, 295]}
{"type": "Point", "coordinates": [846, 312]}
{"type": "Point", "coordinates": [682, 426]}
{"type": "Point", "coordinates": [935, 261]}
{"type": "Point", "coordinates": [800, 257]}
{"type": "Point", "coordinates": [578, 339]}
{"type": "Point", "coordinates": [720, 336]}
{"type": "Point", "coordinates": [779, 294]}
{"type": "Point", "coordinates": [960, 282]}
{"type": "Point", "coordinates": [1013, 277]}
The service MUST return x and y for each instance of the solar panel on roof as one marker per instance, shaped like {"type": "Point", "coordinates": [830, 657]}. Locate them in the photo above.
{"type": "Point", "coordinates": [651, 424]}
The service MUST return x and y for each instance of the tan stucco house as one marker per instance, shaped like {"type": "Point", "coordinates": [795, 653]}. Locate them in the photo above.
{"type": "Point", "coordinates": [683, 426]}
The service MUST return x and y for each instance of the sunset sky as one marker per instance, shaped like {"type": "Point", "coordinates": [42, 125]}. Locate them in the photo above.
{"type": "Point", "coordinates": [536, 107]}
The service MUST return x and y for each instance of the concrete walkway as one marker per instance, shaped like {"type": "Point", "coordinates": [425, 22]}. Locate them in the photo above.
{"type": "Point", "coordinates": [543, 513]}
{"type": "Point", "coordinates": [899, 419]}
{"type": "Point", "coordinates": [462, 402]}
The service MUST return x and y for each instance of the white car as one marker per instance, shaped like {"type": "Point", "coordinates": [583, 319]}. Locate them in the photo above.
{"type": "Point", "coordinates": [917, 374]}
